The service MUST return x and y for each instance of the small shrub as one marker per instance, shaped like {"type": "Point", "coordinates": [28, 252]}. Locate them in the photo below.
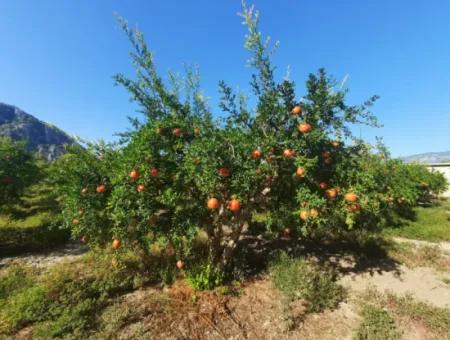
{"type": "Point", "coordinates": [299, 279]}
{"type": "Point", "coordinates": [27, 306]}
{"type": "Point", "coordinates": [14, 279]}
{"type": "Point", "coordinates": [71, 319]}
{"type": "Point", "coordinates": [204, 276]}
{"type": "Point", "coordinates": [376, 324]}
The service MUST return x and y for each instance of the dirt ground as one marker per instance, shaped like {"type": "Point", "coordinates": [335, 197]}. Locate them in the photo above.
{"type": "Point", "coordinates": [422, 282]}
{"type": "Point", "coordinates": [254, 310]}
{"type": "Point", "coordinates": [255, 313]}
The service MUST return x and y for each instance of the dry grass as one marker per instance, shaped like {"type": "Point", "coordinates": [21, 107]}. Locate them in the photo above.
{"type": "Point", "coordinates": [418, 319]}
{"type": "Point", "coordinates": [252, 311]}
{"type": "Point", "coordinates": [420, 256]}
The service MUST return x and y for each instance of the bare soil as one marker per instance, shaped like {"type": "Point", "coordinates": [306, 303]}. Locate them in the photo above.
{"type": "Point", "coordinates": [254, 310]}
{"type": "Point", "coordinates": [422, 282]}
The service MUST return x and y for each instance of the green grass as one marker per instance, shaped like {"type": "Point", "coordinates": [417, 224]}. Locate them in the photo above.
{"type": "Point", "coordinates": [32, 224]}
{"type": "Point", "coordinates": [38, 207]}
{"type": "Point", "coordinates": [67, 301]}
{"type": "Point", "coordinates": [432, 224]}
{"type": "Point", "coordinates": [32, 221]}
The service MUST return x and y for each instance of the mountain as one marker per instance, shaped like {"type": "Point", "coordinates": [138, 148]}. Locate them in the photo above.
{"type": "Point", "coordinates": [45, 139]}
{"type": "Point", "coordinates": [429, 157]}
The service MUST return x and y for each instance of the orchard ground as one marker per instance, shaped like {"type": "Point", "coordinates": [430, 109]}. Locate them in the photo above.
{"type": "Point", "coordinates": [395, 290]}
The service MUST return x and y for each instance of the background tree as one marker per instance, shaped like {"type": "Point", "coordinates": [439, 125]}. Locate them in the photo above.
{"type": "Point", "coordinates": [18, 170]}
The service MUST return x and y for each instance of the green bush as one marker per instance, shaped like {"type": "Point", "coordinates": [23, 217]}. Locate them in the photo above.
{"type": "Point", "coordinates": [299, 279]}
{"type": "Point", "coordinates": [75, 320]}
{"type": "Point", "coordinates": [376, 324]}
{"type": "Point", "coordinates": [77, 176]}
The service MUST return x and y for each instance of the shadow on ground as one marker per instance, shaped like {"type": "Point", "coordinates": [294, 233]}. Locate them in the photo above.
{"type": "Point", "coordinates": [346, 256]}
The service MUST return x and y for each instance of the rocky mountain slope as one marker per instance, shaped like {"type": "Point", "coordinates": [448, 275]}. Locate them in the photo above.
{"type": "Point", "coordinates": [429, 157]}
{"type": "Point", "coordinates": [45, 139]}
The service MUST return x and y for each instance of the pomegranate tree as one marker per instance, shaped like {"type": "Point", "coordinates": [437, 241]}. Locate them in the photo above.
{"type": "Point", "coordinates": [181, 176]}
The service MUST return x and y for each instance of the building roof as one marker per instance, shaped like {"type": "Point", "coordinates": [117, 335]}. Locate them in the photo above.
{"type": "Point", "coordinates": [436, 165]}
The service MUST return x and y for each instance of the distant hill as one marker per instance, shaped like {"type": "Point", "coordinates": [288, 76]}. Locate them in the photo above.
{"type": "Point", "coordinates": [429, 157]}
{"type": "Point", "coordinates": [45, 139]}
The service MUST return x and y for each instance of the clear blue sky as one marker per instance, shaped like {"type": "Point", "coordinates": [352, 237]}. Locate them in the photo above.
{"type": "Point", "coordinates": [57, 57]}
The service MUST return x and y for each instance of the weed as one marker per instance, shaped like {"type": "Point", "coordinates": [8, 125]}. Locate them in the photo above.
{"type": "Point", "coordinates": [435, 319]}
{"type": "Point", "coordinates": [299, 279]}
{"type": "Point", "coordinates": [113, 318]}
{"type": "Point", "coordinates": [419, 256]}
{"type": "Point", "coordinates": [203, 276]}
{"type": "Point", "coordinates": [376, 324]}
